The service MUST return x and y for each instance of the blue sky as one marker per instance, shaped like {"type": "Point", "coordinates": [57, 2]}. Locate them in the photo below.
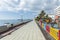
{"type": "Point", "coordinates": [26, 9]}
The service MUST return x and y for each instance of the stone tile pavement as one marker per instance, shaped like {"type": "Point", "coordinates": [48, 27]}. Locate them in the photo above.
{"type": "Point", "coordinates": [29, 31]}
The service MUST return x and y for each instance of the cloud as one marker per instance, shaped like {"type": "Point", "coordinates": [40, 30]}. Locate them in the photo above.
{"type": "Point", "coordinates": [26, 6]}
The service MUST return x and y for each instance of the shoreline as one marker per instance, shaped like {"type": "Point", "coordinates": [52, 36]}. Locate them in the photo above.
{"type": "Point", "coordinates": [4, 29]}
{"type": "Point", "coordinates": [12, 29]}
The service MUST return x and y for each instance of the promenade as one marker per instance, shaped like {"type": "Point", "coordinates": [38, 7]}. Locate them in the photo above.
{"type": "Point", "coordinates": [29, 31]}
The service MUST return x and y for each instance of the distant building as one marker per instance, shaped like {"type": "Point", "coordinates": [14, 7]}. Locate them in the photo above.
{"type": "Point", "coordinates": [57, 14]}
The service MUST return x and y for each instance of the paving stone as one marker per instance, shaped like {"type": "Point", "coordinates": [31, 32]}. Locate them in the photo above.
{"type": "Point", "coordinates": [29, 31]}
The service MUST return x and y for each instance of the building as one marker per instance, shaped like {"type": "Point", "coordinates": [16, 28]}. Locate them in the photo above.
{"type": "Point", "coordinates": [57, 15]}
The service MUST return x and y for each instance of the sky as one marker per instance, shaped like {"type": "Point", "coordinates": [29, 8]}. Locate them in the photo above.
{"type": "Point", "coordinates": [26, 9]}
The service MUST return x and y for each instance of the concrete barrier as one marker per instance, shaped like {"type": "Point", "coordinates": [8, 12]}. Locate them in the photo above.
{"type": "Point", "coordinates": [42, 25]}
{"type": "Point", "coordinates": [45, 26]}
{"type": "Point", "coordinates": [48, 28]}
{"type": "Point", "coordinates": [55, 33]}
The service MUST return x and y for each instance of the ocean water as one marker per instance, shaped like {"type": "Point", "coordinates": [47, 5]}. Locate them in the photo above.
{"type": "Point", "coordinates": [2, 22]}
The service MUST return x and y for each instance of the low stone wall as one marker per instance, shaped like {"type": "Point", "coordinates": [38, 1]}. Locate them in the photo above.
{"type": "Point", "coordinates": [3, 28]}
{"type": "Point", "coordinates": [53, 32]}
{"type": "Point", "coordinates": [8, 27]}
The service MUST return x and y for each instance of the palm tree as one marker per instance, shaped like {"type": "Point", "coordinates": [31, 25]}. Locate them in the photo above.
{"type": "Point", "coordinates": [48, 19]}
{"type": "Point", "coordinates": [41, 15]}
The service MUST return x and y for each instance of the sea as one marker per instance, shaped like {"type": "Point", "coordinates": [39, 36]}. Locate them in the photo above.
{"type": "Point", "coordinates": [2, 22]}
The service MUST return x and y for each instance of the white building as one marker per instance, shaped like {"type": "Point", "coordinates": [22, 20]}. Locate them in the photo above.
{"type": "Point", "coordinates": [57, 15]}
{"type": "Point", "coordinates": [57, 11]}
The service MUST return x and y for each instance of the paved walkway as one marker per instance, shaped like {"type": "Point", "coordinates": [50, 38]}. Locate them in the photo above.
{"type": "Point", "coordinates": [29, 31]}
